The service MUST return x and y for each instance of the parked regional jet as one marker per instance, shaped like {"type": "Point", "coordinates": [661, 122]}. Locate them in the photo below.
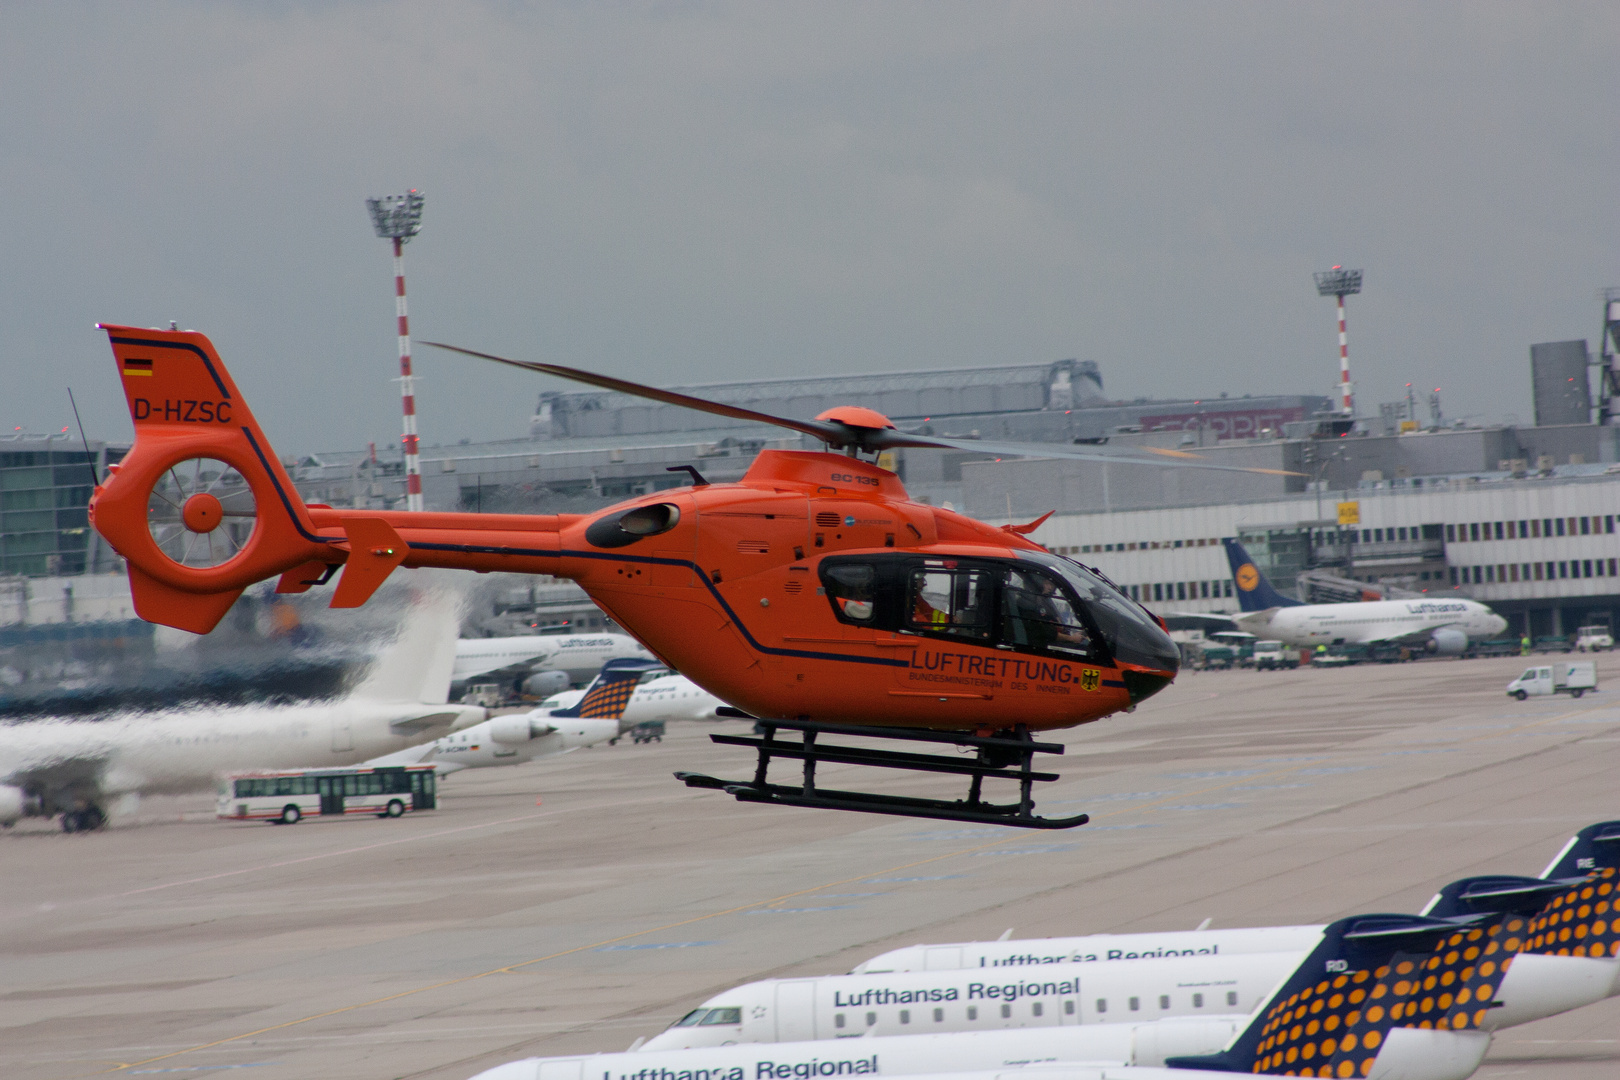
{"type": "Point", "coordinates": [670, 697]}
{"type": "Point", "coordinates": [521, 659]}
{"type": "Point", "coordinates": [1443, 625]}
{"type": "Point", "coordinates": [1558, 963]}
{"type": "Point", "coordinates": [1357, 962]}
{"type": "Point", "coordinates": [974, 999]}
{"type": "Point", "coordinates": [1595, 847]}
{"type": "Point", "coordinates": [75, 767]}
{"type": "Point", "coordinates": [591, 716]}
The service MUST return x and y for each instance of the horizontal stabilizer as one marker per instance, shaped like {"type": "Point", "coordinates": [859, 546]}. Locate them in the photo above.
{"type": "Point", "coordinates": [416, 725]}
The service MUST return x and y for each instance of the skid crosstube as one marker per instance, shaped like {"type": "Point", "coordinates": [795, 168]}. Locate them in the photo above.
{"type": "Point", "coordinates": [1000, 757]}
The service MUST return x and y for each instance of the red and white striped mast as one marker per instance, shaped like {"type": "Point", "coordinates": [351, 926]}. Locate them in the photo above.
{"type": "Point", "coordinates": [398, 218]}
{"type": "Point", "coordinates": [1340, 283]}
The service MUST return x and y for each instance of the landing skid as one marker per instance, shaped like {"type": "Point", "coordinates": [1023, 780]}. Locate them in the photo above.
{"type": "Point", "coordinates": [1004, 756]}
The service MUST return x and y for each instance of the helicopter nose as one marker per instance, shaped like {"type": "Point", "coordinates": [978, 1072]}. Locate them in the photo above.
{"type": "Point", "coordinates": [1141, 685]}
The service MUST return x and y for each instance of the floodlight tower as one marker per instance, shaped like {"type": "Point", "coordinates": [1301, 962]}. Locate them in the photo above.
{"type": "Point", "coordinates": [398, 218]}
{"type": "Point", "coordinates": [1340, 283]}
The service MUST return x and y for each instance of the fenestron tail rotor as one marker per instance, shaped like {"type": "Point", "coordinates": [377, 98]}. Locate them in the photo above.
{"type": "Point", "coordinates": [201, 513]}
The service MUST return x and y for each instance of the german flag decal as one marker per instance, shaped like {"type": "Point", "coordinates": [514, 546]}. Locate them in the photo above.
{"type": "Point", "coordinates": [136, 366]}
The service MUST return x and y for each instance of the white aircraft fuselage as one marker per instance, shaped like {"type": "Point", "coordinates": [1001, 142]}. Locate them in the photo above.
{"type": "Point", "coordinates": [516, 739]}
{"type": "Point", "coordinates": [67, 761]}
{"type": "Point", "coordinates": [579, 656]}
{"type": "Point", "coordinates": [1309, 625]}
{"type": "Point", "coordinates": [670, 697]}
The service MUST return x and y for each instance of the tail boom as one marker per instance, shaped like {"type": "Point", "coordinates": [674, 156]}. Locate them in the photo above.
{"type": "Point", "coordinates": [190, 419]}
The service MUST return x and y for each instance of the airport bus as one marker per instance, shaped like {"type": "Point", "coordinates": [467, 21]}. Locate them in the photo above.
{"type": "Point", "coordinates": [285, 796]}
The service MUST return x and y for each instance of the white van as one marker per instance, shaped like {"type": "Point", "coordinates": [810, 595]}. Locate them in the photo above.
{"type": "Point", "coordinates": [1593, 639]}
{"type": "Point", "coordinates": [1271, 656]}
{"type": "Point", "coordinates": [1560, 677]}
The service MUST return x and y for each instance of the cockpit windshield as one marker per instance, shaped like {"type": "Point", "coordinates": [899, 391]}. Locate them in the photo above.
{"type": "Point", "coordinates": [1133, 636]}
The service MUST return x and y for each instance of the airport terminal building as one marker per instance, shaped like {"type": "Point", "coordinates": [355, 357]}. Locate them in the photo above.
{"type": "Point", "coordinates": [1522, 518]}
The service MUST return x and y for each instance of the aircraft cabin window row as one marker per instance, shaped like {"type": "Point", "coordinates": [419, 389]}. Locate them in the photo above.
{"type": "Point", "coordinates": [1005, 1011]}
{"type": "Point", "coordinates": [1140, 545]}
{"type": "Point", "coordinates": [1507, 573]}
{"type": "Point", "coordinates": [1531, 529]}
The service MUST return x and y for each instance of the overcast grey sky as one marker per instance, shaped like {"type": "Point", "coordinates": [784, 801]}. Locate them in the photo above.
{"type": "Point", "coordinates": [685, 192]}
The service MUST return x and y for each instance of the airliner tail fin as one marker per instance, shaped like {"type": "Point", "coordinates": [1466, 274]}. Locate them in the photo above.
{"type": "Point", "coordinates": [1254, 591]}
{"type": "Point", "coordinates": [1357, 1006]}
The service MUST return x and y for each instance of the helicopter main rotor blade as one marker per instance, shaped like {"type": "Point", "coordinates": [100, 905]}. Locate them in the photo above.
{"type": "Point", "coordinates": [831, 434]}
{"type": "Point", "coordinates": [837, 434]}
{"type": "Point", "coordinates": [1152, 456]}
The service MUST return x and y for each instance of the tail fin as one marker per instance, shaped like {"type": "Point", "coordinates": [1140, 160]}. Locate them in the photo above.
{"type": "Point", "coordinates": [1254, 591]}
{"type": "Point", "coordinates": [1359, 995]}
{"type": "Point", "coordinates": [1593, 848]}
{"type": "Point", "coordinates": [200, 507]}
{"type": "Point", "coordinates": [416, 665]}
{"type": "Point", "coordinates": [610, 691]}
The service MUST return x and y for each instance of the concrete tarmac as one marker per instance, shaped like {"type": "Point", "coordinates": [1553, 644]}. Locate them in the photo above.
{"type": "Point", "coordinates": [574, 904]}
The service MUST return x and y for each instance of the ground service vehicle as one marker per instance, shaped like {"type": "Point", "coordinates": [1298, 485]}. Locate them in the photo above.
{"type": "Point", "coordinates": [1593, 639]}
{"type": "Point", "coordinates": [289, 795]}
{"type": "Point", "coordinates": [1560, 677]}
{"type": "Point", "coordinates": [1272, 656]}
{"type": "Point", "coordinates": [813, 594]}
{"type": "Point", "coordinates": [647, 731]}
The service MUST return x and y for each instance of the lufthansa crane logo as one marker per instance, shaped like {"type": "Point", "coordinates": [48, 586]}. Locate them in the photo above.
{"type": "Point", "coordinates": [1248, 578]}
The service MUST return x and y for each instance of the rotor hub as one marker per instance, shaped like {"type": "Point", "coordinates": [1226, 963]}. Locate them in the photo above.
{"type": "Point", "coordinates": [202, 513]}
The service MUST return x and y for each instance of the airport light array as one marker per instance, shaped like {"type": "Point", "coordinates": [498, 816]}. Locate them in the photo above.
{"type": "Point", "coordinates": [398, 218]}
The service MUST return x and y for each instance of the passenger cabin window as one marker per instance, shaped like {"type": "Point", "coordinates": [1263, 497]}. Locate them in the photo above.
{"type": "Point", "coordinates": [939, 1015]}
{"type": "Point", "coordinates": [1164, 1001]}
{"type": "Point", "coordinates": [1231, 997]}
{"type": "Point", "coordinates": [852, 589]}
{"type": "Point", "coordinates": [1198, 1001]}
{"type": "Point", "coordinates": [1102, 1005]}
{"type": "Point", "coordinates": [1006, 1012]}
{"type": "Point", "coordinates": [951, 602]}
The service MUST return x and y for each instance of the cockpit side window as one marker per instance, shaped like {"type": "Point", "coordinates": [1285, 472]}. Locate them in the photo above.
{"type": "Point", "coordinates": [957, 602]}
{"type": "Point", "coordinates": [852, 588]}
{"type": "Point", "coordinates": [723, 1016]}
{"type": "Point", "coordinates": [1037, 614]}
{"type": "Point", "coordinates": [691, 1018]}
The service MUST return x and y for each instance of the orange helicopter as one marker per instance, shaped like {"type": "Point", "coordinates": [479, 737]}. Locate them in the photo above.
{"type": "Point", "coordinates": [813, 594]}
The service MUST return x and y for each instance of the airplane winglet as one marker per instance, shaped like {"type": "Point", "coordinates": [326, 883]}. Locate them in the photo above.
{"type": "Point", "coordinates": [374, 550]}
